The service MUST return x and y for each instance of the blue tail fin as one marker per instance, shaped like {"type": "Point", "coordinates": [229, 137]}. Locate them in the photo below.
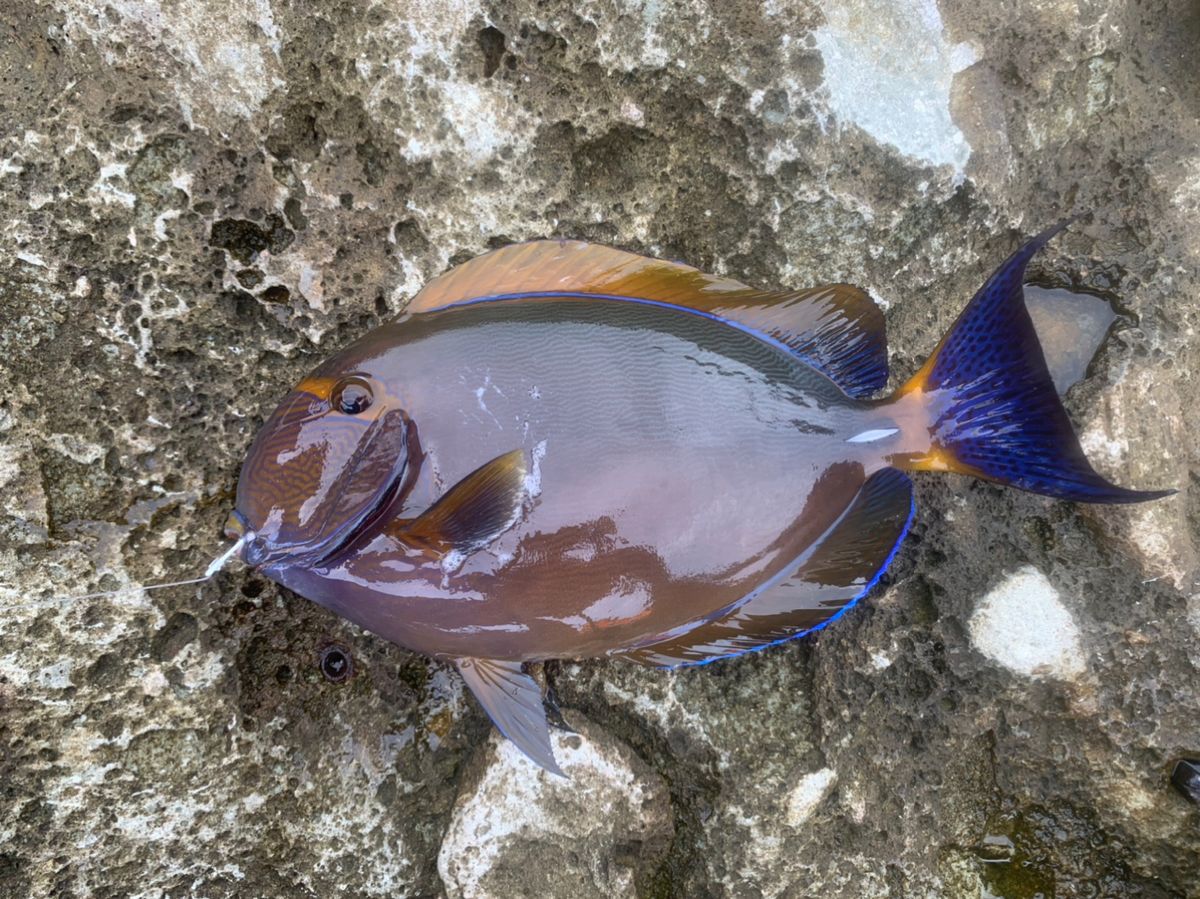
{"type": "Point", "coordinates": [991, 406]}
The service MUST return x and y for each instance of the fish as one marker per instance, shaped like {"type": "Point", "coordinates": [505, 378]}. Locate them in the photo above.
{"type": "Point", "coordinates": [565, 450]}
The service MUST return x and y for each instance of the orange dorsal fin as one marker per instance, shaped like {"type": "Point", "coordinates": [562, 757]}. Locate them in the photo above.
{"type": "Point", "coordinates": [836, 328]}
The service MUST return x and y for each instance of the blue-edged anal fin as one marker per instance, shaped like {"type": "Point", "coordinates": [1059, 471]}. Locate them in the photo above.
{"type": "Point", "coordinates": [473, 512]}
{"type": "Point", "coordinates": [513, 700]}
{"type": "Point", "coordinates": [847, 561]}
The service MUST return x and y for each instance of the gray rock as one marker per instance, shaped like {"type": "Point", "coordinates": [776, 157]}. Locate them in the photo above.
{"type": "Point", "coordinates": [522, 831]}
{"type": "Point", "coordinates": [199, 201]}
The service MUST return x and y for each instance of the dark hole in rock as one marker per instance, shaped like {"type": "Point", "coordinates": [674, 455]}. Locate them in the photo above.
{"type": "Point", "coordinates": [106, 670]}
{"type": "Point", "coordinates": [1071, 325]}
{"type": "Point", "coordinates": [491, 42]}
{"type": "Point", "coordinates": [180, 630]}
{"type": "Point", "coordinates": [409, 238]}
{"type": "Point", "coordinates": [245, 239]}
{"type": "Point", "coordinates": [241, 238]}
{"type": "Point", "coordinates": [293, 209]}
{"type": "Point", "coordinates": [336, 663]}
{"type": "Point", "coordinates": [123, 113]}
{"type": "Point", "coordinates": [249, 277]}
{"type": "Point", "coordinates": [276, 293]}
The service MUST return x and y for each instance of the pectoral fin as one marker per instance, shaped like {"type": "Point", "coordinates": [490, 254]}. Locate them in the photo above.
{"type": "Point", "coordinates": [513, 700]}
{"type": "Point", "coordinates": [471, 513]}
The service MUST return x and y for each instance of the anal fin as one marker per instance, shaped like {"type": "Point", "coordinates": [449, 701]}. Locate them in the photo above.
{"type": "Point", "coordinates": [513, 700]}
{"type": "Point", "coordinates": [848, 560]}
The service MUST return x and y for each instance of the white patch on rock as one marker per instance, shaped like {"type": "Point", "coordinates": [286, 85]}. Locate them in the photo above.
{"type": "Point", "coordinates": [883, 57]}
{"type": "Point", "coordinates": [809, 793]}
{"type": "Point", "coordinates": [216, 50]}
{"type": "Point", "coordinates": [154, 682]}
{"type": "Point", "coordinates": [56, 676]}
{"type": "Point", "coordinates": [557, 833]}
{"type": "Point", "coordinates": [1023, 624]}
{"type": "Point", "coordinates": [31, 258]}
{"type": "Point", "coordinates": [422, 41]}
{"type": "Point", "coordinates": [76, 448]}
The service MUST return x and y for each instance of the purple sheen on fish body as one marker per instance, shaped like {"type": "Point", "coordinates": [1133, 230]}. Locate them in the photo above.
{"type": "Point", "coordinates": [567, 451]}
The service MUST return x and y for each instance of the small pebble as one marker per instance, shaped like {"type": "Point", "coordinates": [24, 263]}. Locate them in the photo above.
{"type": "Point", "coordinates": [1186, 778]}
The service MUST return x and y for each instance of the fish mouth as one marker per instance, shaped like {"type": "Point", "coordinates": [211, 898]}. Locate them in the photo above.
{"type": "Point", "coordinates": [389, 457]}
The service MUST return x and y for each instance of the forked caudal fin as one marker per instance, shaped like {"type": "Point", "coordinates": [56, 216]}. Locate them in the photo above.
{"type": "Point", "coordinates": [987, 399]}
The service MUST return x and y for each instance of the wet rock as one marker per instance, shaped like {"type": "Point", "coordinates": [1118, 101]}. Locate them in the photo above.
{"type": "Point", "coordinates": [520, 830]}
{"type": "Point", "coordinates": [1071, 326]}
{"type": "Point", "coordinates": [200, 201]}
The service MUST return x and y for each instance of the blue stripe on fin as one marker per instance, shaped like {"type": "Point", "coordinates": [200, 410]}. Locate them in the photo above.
{"type": "Point", "coordinates": [847, 563]}
{"type": "Point", "coordinates": [994, 412]}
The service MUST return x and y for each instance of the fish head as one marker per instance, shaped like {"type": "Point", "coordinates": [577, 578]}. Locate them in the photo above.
{"type": "Point", "coordinates": [329, 463]}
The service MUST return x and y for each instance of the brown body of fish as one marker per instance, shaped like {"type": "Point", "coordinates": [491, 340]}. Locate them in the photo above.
{"type": "Point", "coordinates": [565, 450]}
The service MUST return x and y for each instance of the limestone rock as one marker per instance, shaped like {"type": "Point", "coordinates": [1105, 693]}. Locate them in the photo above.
{"type": "Point", "coordinates": [519, 830]}
{"type": "Point", "coordinates": [199, 201]}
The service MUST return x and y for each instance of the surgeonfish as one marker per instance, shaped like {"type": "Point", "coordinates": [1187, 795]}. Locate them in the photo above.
{"type": "Point", "coordinates": [563, 450]}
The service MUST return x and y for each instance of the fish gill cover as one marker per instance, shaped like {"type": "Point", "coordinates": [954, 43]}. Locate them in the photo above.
{"type": "Point", "coordinates": [187, 740]}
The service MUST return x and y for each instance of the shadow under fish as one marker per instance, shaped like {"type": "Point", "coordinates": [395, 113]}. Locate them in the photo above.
{"type": "Point", "coordinates": [569, 451]}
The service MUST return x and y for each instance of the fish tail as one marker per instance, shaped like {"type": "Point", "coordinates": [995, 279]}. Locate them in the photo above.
{"type": "Point", "coordinates": [990, 408]}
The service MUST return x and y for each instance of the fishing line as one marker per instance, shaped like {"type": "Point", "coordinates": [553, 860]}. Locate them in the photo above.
{"type": "Point", "coordinates": [213, 567]}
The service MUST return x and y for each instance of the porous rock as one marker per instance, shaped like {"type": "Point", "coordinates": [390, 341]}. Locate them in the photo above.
{"type": "Point", "coordinates": [520, 830]}
{"type": "Point", "coordinates": [199, 201]}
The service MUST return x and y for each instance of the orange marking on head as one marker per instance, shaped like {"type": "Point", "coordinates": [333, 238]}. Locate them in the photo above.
{"type": "Point", "coordinates": [321, 388]}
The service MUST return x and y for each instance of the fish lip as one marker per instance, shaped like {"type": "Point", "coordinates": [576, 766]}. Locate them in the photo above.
{"type": "Point", "coordinates": [259, 553]}
{"type": "Point", "coordinates": [390, 499]}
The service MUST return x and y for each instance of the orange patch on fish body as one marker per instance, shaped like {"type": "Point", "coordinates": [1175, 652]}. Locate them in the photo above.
{"type": "Point", "coordinates": [565, 450]}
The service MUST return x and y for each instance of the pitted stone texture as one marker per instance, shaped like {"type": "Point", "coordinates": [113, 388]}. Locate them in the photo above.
{"type": "Point", "coordinates": [522, 831]}
{"type": "Point", "coordinates": [200, 201]}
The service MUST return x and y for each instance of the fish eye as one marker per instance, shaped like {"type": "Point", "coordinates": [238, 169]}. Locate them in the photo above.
{"type": "Point", "coordinates": [352, 396]}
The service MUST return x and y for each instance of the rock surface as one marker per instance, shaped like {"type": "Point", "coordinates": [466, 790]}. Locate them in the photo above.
{"type": "Point", "coordinates": [198, 201]}
{"type": "Point", "coordinates": [521, 832]}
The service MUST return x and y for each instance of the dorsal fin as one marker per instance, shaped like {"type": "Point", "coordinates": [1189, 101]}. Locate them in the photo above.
{"type": "Point", "coordinates": [844, 566]}
{"type": "Point", "coordinates": [836, 328]}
